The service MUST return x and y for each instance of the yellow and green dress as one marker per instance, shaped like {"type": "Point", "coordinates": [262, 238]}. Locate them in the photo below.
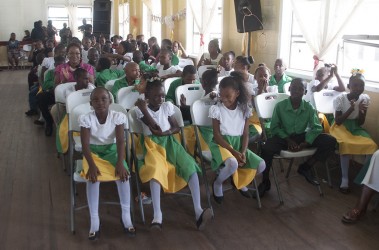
{"type": "Point", "coordinates": [351, 137]}
{"type": "Point", "coordinates": [103, 143]}
{"type": "Point", "coordinates": [165, 159]}
{"type": "Point", "coordinates": [232, 124]}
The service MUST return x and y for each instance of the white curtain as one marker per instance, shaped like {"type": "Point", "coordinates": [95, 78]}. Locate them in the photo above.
{"type": "Point", "coordinates": [71, 9]}
{"type": "Point", "coordinates": [203, 14]}
{"type": "Point", "coordinates": [322, 22]}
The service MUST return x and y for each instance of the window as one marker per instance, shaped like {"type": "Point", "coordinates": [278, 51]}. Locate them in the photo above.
{"type": "Point", "coordinates": [151, 25]}
{"type": "Point", "coordinates": [83, 12]}
{"type": "Point", "coordinates": [123, 15]}
{"type": "Point", "coordinates": [58, 16]}
{"type": "Point", "coordinates": [214, 30]}
{"type": "Point", "coordinates": [358, 48]}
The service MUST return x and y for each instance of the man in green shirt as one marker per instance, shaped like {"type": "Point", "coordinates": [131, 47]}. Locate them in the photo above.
{"type": "Point", "coordinates": [131, 78]}
{"type": "Point", "coordinates": [104, 73]}
{"type": "Point", "coordinates": [295, 126]}
{"type": "Point", "coordinates": [279, 78]}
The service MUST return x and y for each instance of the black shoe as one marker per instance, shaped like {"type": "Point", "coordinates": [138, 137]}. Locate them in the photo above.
{"type": "Point", "coordinates": [49, 130]}
{"type": "Point", "coordinates": [246, 193]}
{"type": "Point", "coordinates": [130, 231]}
{"type": "Point", "coordinates": [31, 112]}
{"type": "Point", "coordinates": [305, 170]}
{"type": "Point", "coordinates": [218, 199]}
{"type": "Point", "coordinates": [156, 226]}
{"type": "Point", "coordinates": [262, 188]}
{"type": "Point", "coordinates": [38, 122]}
{"type": "Point", "coordinates": [205, 216]}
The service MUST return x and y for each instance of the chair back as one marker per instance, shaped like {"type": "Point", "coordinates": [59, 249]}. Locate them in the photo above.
{"type": "Point", "coordinates": [168, 82]}
{"type": "Point", "coordinates": [200, 112]}
{"type": "Point", "coordinates": [324, 100]}
{"type": "Point", "coordinates": [27, 47]}
{"type": "Point", "coordinates": [286, 88]}
{"type": "Point", "coordinates": [60, 90]}
{"type": "Point", "coordinates": [109, 84]}
{"type": "Point", "coordinates": [192, 92]}
{"type": "Point", "coordinates": [265, 103]}
{"type": "Point", "coordinates": [76, 98]}
{"type": "Point", "coordinates": [184, 62]}
{"type": "Point", "coordinates": [127, 97]}
{"type": "Point", "coordinates": [202, 69]}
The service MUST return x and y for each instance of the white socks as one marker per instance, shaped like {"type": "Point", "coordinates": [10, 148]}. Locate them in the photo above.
{"type": "Point", "coordinates": [231, 165]}
{"type": "Point", "coordinates": [193, 184]}
{"type": "Point", "coordinates": [345, 170]}
{"type": "Point", "coordinates": [155, 189]}
{"type": "Point", "coordinates": [261, 167]}
{"type": "Point", "coordinates": [93, 203]}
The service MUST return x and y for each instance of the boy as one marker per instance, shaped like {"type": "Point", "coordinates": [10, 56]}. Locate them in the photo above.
{"type": "Point", "coordinates": [165, 69]}
{"type": "Point", "coordinates": [226, 64]}
{"type": "Point", "coordinates": [93, 57]}
{"type": "Point", "coordinates": [86, 42]}
{"type": "Point", "coordinates": [104, 73]}
{"type": "Point", "coordinates": [144, 67]}
{"type": "Point", "coordinates": [295, 126]}
{"type": "Point", "coordinates": [279, 78]}
{"type": "Point", "coordinates": [132, 74]}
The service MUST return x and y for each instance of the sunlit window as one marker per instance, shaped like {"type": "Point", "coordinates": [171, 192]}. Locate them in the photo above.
{"type": "Point", "coordinates": [124, 17]}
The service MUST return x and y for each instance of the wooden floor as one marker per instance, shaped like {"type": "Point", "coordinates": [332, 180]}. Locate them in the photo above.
{"type": "Point", "coordinates": [34, 203]}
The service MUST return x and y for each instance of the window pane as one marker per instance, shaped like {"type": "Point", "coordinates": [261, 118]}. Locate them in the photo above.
{"type": "Point", "coordinates": [84, 12]}
{"type": "Point", "coordinates": [57, 12]}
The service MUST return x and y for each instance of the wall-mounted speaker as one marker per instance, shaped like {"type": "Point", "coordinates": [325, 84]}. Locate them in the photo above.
{"type": "Point", "coordinates": [102, 17]}
{"type": "Point", "coordinates": [248, 15]}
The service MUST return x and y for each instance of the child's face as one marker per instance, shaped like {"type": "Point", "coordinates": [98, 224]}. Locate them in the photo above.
{"type": "Point", "coordinates": [86, 43]}
{"type": "Point", "coordinates": [116, 41]}
{"type": "Point", "coordinates": [297, 90]}
{"type": "Point", "coordinates": [189, 78]}
{"type": "Point", "coordinates": [82, 81]}
{"type": "Point", "coordinates": [100, 100]}
{"type": "Point", "coordinates": [132, 71]}
{"type": "Point", "coordinates": [212, 48]}
{"type": "Point", "coordinates": [356, 86]}
{"type": "Point", "coordinates": [156, 96]}
{"type": "Point", "coordinates": [120, 49]}
{"type": "Point", "coordinates": [279, 67]}
{"type": "Point", "coordinates": [175, 47]}
{"type": "Point", "coordinates": [93, 55]}
{"type": "Point", "coordinates": [228, 96]}
{"type": "Point", "coordinates": [239, 67]}
{"type": "Point", "coordinates": [164, 59]}
{"type": "Point", "coordinates": [50, 45]}
{"type": "Point", "coordinates": [60, 52]}
{"type": "Point", "coordinates": [102, 41]}
{"type": "Point", "coordinates": [39, 45]}
{"type": "Point", "coordinates": [228, 61]}
{"type": "Point", "coordinates": [262, 76]}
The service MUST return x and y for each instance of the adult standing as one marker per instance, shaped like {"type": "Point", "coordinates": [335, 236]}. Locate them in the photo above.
{"type": "Point", "coordinates": [51, 31]}
{"type": "Point", "coordinates": [65, 34]}
{"type": "Point", "coordinates": [38, 32]}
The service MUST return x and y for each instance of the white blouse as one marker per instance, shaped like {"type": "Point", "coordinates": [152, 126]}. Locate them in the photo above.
{"type": "Point", "coordinates": [160, 117]}
{"type": "Point", "coordinates": [232, 122]}
{"type": "Point", "coordinates": [163, 72]}
{"type": "Point", "coordinates": [102, 134]}
{"type": "Point", "coordinates": [341, 103]}
{"type": "Point", "coordinates": [213, 61]}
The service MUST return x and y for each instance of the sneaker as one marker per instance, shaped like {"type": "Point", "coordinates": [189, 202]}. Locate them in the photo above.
{"type": "Point", "coordinates": [305, 170]}
{"type": "Point", "coordinates": [38, 122]}
{"type": "Point", "coordinates": [31, 112]}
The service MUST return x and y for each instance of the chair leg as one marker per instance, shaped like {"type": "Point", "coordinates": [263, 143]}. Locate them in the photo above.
{"type": "Point", "coordinates": [281, 166]}
{"type": "Point", "coordinates": [257, 194]}
{"type": "Point", "coordinates": [135, 160]}
{"type": "Point", "coordinates": [289, 168]}
{"type": "Point", "coordinates": [318, 186]}
{"type": "Point", "coordinates": [277, 185]}
{"type": "Point", "coordinates": [72, 207]}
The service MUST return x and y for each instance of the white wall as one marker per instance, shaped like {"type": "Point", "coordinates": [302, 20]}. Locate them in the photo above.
{"type": "Point", "coordinates": [19, 15]}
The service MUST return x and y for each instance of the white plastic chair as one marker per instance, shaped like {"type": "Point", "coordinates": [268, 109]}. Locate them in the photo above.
{"type": "Point", "coordinates": [286, 88]}
{"type": "Point", "coordinates": [109, 84]}
{"type": "Point", "coordinates": [168, 82]}
{"type": "Point", "coordinates": [202, 69]}
{"type": "Point", "coordinates": [184, 62]}
{"type": "Point", "coordinates": [192, 92]}
{"type": "Point", "coordinates": [265, 104]}
{"type": "Point", "coordinates": [127, 97]}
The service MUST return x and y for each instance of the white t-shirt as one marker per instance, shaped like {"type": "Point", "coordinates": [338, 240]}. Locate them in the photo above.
{"type": "Point", "coordinates": [224, 72]}
{"type": "Point", "coordinates": [102, 134]}
{"type": "Point", "coordinates": [85, 56]}
{"type": "Point", "coordinates": [341, 103]}
{"type": "Point", "coordinates": [160, 117]}
{"type": "Point", "coordinates": [171, 70]}
{"type": "Point", "coordinates": [215, 61]}
{"type": "Point", "coordinates": [71, 89]}
{"type": "Point", "coordinates": [232, 122]}
{"type": "Point", "coordinates": [48, 62]}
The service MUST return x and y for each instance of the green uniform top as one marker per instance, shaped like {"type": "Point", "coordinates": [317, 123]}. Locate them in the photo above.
{"type": "Point", "coordinates": [281, 83]}
{"type": "Point", "coordinates": [171, 91]}
{"type": "Point", "coordinates": [121, 84]}
{"type": "Point", "coordinates": [106, 75]}
{"type": "Point", "coordinates": [174, 60]}
{"type": "Point", "coordinates": [48, 82]}
{"type": "Point", "coordinates": [146, 67]}
{"type": "Point", "coordinates": [286, 121]}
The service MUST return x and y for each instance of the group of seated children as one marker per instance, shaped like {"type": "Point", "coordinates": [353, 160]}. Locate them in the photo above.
{"type": "Point", "coordinates": [294, 126]}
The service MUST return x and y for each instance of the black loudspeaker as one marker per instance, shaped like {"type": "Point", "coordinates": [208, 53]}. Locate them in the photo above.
{"type": "Point", "coordinates": [102, 17]}
{"type": "Point", "coordinates": [248, 15]}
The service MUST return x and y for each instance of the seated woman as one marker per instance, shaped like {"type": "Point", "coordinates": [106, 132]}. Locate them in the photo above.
{"type": "Point", "coordinates": [213, 56]}
{"type": "Point", "coordinates": [13, 51]}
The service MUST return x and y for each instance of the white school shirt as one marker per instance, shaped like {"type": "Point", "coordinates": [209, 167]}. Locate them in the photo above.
{"type": "Point", "coordinates": [71, 89]}
{"type": "Point", "coordinates": [102, 134]}
{"type": "Point", "coordinates": [160, 117]}
{"type": "Point", "coordinates": [48, 62]}
{"type": "Point", "coordinates": [232, 122]}
{"type": "Point", "coordinates": [251, 85]}
{"type": "Point", "coordinates": [85, 56]}
{"type": "Point", "coordinates": [341, 103]}
{"type": "Point", "coordinates": [163, 72]}
{"type": "Point", "coordinates": [309, 96]}
{"type": "Point", "coordinates": [224, 72]}
{"type": "Point", "coordinates": [213, 61]}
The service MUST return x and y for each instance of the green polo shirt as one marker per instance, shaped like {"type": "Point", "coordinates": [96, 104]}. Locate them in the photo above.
{"type": "Point", "coordinates": [171, 91]}
{"type": "Point", "coordinates": [281, 83]}
{"type": "Point", "coordinates": [174, 60]}
{"type": "Point", "coordinates": [145, 67]}
{"type": "Point", "coordinates": [48, 82]}
{"type": "Point", "coordinates": [286, 121]}
{"type": "Point", "coordinates": [121, 84]}
{"type": "Point", "coordinates": [106, 75]}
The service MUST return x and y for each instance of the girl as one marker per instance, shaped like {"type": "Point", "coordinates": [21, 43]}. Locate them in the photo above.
{"type": "Point", "coordinates": [242, 65]}
{"type": "Point", "coordinates": [123, 55]}
{"type": "Point", "coordinates": [154, 48]}
{"type": "Point", "coordinates": [213, 56]}
{"type": "Point", "coordinates": [178, 50]}
{"type": "Point", "coordinates": [230, 119]}
{"type": "Point", "coordinates": [13, 51]}
{"type": "Point", "coordinates": [209, 81]}
{"type": "Point", "coordinates": [167, 164]}
{"type": "Point", "coordinates": [102, 136]}
{"type": "Point", "coordinates": [350, 114]}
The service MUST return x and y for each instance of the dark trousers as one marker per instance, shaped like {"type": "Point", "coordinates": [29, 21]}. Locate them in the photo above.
{"type": "Point", "coordinates": [324, 143]}
{"type": "Point", "coordinates": [32, 78]}
{"type": "Point", "coordinates": [44, 100]}
{"type": "Point", "coordinates": [33, 98]}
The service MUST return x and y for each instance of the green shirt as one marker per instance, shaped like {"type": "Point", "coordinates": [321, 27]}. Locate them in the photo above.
{"type": "Point", "coordinates": [174, 60]}
{"type": "Point", "coordinates": [286, 121]}
{"type": "Point", "coordinates": [281, 83]}
{"type": "Point", "coordinates": [145, 67]}
{"type": "Point", "coordinates": [171, 91]}
{"type": "Point", "coordinates": [48, 82]}
{"type": "Point", "coordinates": [106, 75]}
{"type": "Point", "coordinates": [122, 83]}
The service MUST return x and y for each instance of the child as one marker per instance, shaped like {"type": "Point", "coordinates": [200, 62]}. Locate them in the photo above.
{"type": "Point", "coordinates": [143, 47]}
{"type": "Point", "coordinates": [86, 42]}
{"type": "Point", "coordinates": [123, 55]}
{"type": "Point", "coordinates": [230, 120]}
{"type": "Point", "coordinates": [178, 50]}
{"type": "Point", "coordinates": [154, 48]}
{"type": "Point", "coordinates": [167, 164]}
{"type": "Point", "coordinates": [213, 56]}
{"type": "Point", "coordinates": [138, 58]}
{"type": "Point", "coordinates": [165, 70]}
{"type": "Point", "coordinates": [294, 127]}
{"type": "Point", "coordinates": [93, 57]}
{"type": "Point", "coordinates": [226, 64]}
{"type": "Point", "coordinates": [104, 73]}
{"type": "Point", "coordinates": [209, 81]}
{"type": "Point", "coordinates": [131, 78]}
{"type": "Point", "coordinates": [102, 136]}
{"type": "Point", "coordinates": [279, 78]}
{"type": "Point", "coordinates": [350, 114]}
{"type": "Point", "coordinates": [48, 62]}
{"type": "Point", "coordinates": [242, 65]}
{"type": "Point", "coordinates": [188, 77]}
{"type": "Point", "coordinates": [166, 44]}
{"type": "Point", "coordinates": [261, 76]}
